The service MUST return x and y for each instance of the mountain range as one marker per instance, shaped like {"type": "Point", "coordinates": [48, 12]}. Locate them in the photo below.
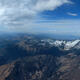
{"type": "Point", "coordinates": [28, 57]}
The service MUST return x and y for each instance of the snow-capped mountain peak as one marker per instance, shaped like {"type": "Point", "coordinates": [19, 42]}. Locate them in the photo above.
{"type": "Point", "coordinates": [71, 44]}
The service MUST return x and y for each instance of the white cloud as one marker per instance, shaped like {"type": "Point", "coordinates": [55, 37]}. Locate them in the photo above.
{"type": "Point", "coordinates": [22, 11]}
{"type": "Point", "coordinates": [72, 14]}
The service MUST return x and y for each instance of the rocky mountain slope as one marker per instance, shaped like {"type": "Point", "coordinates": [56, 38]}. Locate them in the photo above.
{"type": "Point", "coordinates": [42, 67]}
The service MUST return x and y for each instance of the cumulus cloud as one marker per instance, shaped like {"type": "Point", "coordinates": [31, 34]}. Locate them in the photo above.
{"type": "Point", "coordinates": [72, 14]}
{"type": "Point", "coordinates": [19, 12]}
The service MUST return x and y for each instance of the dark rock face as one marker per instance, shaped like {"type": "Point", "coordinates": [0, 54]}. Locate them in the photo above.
{"type": "Point", "coordinates": [69, 68]}
{"type": "Point", "coordinates": [40, 67]}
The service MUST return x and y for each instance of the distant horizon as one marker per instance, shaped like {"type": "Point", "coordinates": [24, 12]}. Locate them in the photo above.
{"type": "Point", "coordinates": [43, 35]}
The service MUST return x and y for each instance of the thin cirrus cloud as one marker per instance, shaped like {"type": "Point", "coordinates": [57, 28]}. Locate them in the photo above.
{"type": "Point", "coordinates": [20, 12]}
{"type": "Point", "coordinates": [72, 14]}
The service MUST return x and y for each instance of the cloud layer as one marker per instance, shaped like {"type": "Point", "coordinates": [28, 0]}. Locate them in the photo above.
{"type": "Point", "coordinates": [20, 13]}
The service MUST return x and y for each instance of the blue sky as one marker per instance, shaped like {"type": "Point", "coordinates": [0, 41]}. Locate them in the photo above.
{"type": "Point", "coordinates": [66, 11]}
{"type": "Point", "coordinates": [40, 16]}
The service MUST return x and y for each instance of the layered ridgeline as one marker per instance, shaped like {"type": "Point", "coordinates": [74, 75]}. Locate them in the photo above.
{"type": "Point", "coordinates": [26, 57]}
